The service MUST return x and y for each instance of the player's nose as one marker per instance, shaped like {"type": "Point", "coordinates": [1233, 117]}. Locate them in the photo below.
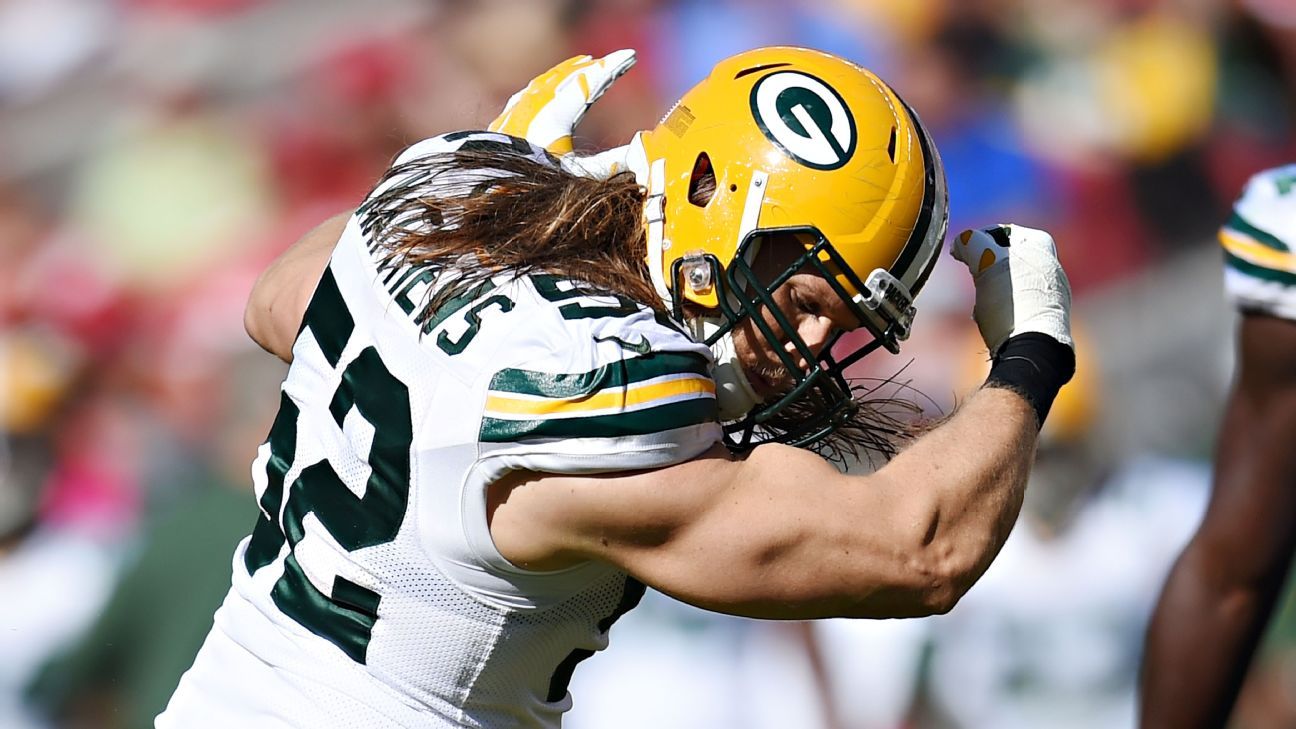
{"type": "Point", "coordinates": [815, 332]}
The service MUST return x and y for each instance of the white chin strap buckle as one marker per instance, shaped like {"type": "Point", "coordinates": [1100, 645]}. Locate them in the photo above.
{"type": "Point", "coordinates": [734, 394]}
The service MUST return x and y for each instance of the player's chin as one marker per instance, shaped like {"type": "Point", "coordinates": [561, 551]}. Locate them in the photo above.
{"type": "Point", "coordinates": [767, 385]}
{"type": "Point", "coordinates": [769, 380]}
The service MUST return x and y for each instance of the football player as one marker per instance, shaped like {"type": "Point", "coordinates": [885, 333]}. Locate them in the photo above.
{"type": "Point", "coordinates": [1222, 590]}
{"type": "Point", "coordinates": [523, 387]}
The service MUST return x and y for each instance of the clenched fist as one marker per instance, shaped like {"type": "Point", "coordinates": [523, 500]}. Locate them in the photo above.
{"type": "Point", "coordinates": [1020, 285]}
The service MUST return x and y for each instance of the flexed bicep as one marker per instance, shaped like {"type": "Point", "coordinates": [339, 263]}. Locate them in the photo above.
{"type": "Point", "coordinates": [778, 534]}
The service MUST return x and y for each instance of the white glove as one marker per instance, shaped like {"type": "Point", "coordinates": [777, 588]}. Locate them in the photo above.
{"type": "Point", "coordinates": [547, 111]}
{"type": "Point", "coordinates": [1020, 285]}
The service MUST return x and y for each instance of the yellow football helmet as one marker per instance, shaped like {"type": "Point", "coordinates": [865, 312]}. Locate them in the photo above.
{"type": "Point", "coordinates": [795, 141]}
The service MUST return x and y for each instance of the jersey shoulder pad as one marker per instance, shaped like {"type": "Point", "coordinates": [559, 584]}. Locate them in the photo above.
{"type": "Point", "coordinates": [608, 390]}
{"type": "Point", "coordinates": [1258, 241]}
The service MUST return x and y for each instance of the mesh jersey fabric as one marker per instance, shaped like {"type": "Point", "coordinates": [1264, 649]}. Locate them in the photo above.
{"type": "Point", "coordinates": [1259, 263]}
{"type": "Point", "coordinates": [370, 592]}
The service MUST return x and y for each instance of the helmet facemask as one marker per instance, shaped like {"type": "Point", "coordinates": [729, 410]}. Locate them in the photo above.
{"type": "Point", "coordinates": [820, 398]}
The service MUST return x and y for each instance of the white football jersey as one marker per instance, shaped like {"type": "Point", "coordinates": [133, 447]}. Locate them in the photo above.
{"type": "Point", "coordinates": [370, 593]}
{"type": "Point", "coordinates": [1258, 240]}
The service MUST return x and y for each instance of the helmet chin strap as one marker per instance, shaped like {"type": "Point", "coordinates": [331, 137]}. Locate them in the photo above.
{"type": "Point", "coordinates": [734, 394]}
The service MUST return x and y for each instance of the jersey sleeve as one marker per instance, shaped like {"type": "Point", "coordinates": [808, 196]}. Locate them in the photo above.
{"type": "Point", "coordinates": [606, 386]}
{"type": "Point", "coordinates": [1259, 263]}
{"type": "Point", "coordinates": [641, 396]}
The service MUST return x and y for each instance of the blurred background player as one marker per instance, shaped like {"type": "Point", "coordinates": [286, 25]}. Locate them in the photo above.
{"type": "Point", "coordinates": [1224, 587]}
{"type": "Point", "coordinates": [674, 665]}
{"type": "Point", "coordinates": [125, 663]}
{"type": "Point", "coordinates": [62, 564]}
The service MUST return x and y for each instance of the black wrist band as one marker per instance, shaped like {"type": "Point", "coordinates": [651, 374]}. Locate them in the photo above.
{"type": "Point", "coordinates": [1035, 366]}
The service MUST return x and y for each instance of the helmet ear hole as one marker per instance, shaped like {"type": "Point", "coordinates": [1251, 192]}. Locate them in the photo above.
{"type": "Point", "coordinates": [702, 183]}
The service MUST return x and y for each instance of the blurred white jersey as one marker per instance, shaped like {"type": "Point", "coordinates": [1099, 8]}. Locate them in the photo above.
{"type": "Point", "coordinates": [370, 593]}
{"type": "Point", "coordinates": [1051, 635]}
{"type": "Point", "coordinates": [1258, 240]}
{"type": "Point", "coordinates": [37, 620]}
{"type": "Point", "coordinates": [675, 666]}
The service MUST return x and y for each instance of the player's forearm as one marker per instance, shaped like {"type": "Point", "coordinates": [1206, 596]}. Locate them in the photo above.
{"type": "Point", "coordinates": [949, 501]}
{"type": "Point", "coordinates": [1199, 644]}
{"type": "Point", "coordinates": [1220, 595]}
{"type": "Point", "coordinates": [969, 475]}
{"type": "Point", "coordinates": [1210, 621]}
{"type": "Point", "coordinates": [973, 469]}
{"type": "Point", "coordinates": [786, 536]}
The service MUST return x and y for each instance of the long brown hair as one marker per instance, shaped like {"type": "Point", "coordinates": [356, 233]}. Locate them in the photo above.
{"type": "Point", "coordinates": [483, 212]}
{"type": "Point", "coordinates": [478, 213]}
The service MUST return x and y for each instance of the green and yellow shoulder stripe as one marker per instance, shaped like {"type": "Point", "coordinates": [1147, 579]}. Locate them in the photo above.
{"type": "Point", "coordinates": [1259, 235]}
{"type": "Point", "coordinates": [651, 393]}
{"type": "Point", "coordinates": [1255, 252]}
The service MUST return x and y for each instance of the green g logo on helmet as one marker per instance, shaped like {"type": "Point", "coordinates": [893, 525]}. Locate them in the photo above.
{"type": "Point", "coordinates": [805, 118]}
